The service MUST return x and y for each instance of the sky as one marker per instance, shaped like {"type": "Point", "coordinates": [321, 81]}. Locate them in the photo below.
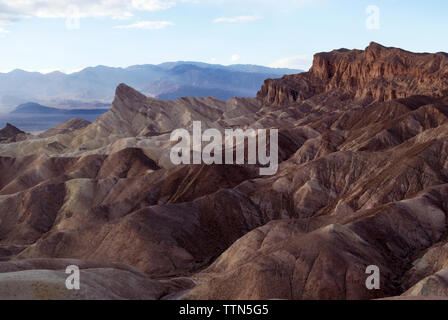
{"type": "Point", "coordinates": [69, 35]}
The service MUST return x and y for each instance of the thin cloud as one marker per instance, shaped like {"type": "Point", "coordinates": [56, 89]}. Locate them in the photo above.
{"type": "Point", "coordinates": [236, 19]}
{"type": "Point", "coordinates": [260, 5]}
{"type": "Point", "coordinates": [148, 25]}
{"type": "Point", "coordinates": [13, 10]}
{"type": "Point", "coordinates": [235, 58]}
{"type": "Point", "coordinates": [302, 61]}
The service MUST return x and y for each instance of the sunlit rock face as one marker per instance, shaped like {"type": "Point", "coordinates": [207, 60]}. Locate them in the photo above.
{"type": "Point", "coordinates": [362, 180]}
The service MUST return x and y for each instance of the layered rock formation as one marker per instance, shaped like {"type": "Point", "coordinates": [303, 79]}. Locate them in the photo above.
{"type": "Point", "coordinates": [378, 73]}
{"type": "Point", "coordinates": [12, 134]}
{"type": "Point", "coordinates": [65, 127]}
{"type": "Point", "coordinates": [363, 180]}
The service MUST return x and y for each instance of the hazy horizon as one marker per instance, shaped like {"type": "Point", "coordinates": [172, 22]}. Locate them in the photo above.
{"type": "Point", "coordinates": [45, 72]}
{"type": "Point", "coordinates": [71, 35]}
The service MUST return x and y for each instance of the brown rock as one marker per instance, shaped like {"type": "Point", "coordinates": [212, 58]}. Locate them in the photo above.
{"type": "Point", "coordinates": [378, 72]}
{"type": "Point", "coordinates": [363, 180]}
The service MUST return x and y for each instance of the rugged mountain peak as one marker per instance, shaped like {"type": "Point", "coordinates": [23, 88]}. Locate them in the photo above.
{"type": "Point", "coordinates": [379, 73]}
{"type": "Point", "coordinates": [127, 93]}
{"type": "Point", "coordinates": [376, 45]}
{"type": "Point", "coordinates": [65, 127]}
{"type": "Point", "coordinates": [124, 90]}
{"type": "Point", "coordinates": [127, 102]}
{"type": "Point", "coordinates": [11, 134]}
{"type": "Point", "coordinates": [375, 49]}
{"type": "Point", "coordinates": [9, 131]}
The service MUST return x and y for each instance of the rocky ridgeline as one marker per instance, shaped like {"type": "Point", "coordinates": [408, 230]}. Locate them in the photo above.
{"type": "Point", "coordinates": [363, 180]}
{"type": "Point", "coordinates": [12, 134]}
{"type": "Point", "coordinates": [378, 72]}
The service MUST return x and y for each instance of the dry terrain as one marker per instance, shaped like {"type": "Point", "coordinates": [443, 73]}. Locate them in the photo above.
{"type": "Point", "coordinates": [363, 180]}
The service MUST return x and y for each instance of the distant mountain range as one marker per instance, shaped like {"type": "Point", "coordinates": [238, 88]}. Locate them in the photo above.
{"type": "Point", "coordinates": [94, 87]}
{"type": "Point", "coordinates": [35, 108]}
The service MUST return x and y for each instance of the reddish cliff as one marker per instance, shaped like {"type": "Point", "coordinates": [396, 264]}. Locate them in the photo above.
{"type": "Point", "coordinates": [378, 72]}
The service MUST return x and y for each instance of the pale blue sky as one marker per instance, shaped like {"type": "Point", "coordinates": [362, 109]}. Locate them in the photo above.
{"type": "Point", "coordinates": [35, 35]}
